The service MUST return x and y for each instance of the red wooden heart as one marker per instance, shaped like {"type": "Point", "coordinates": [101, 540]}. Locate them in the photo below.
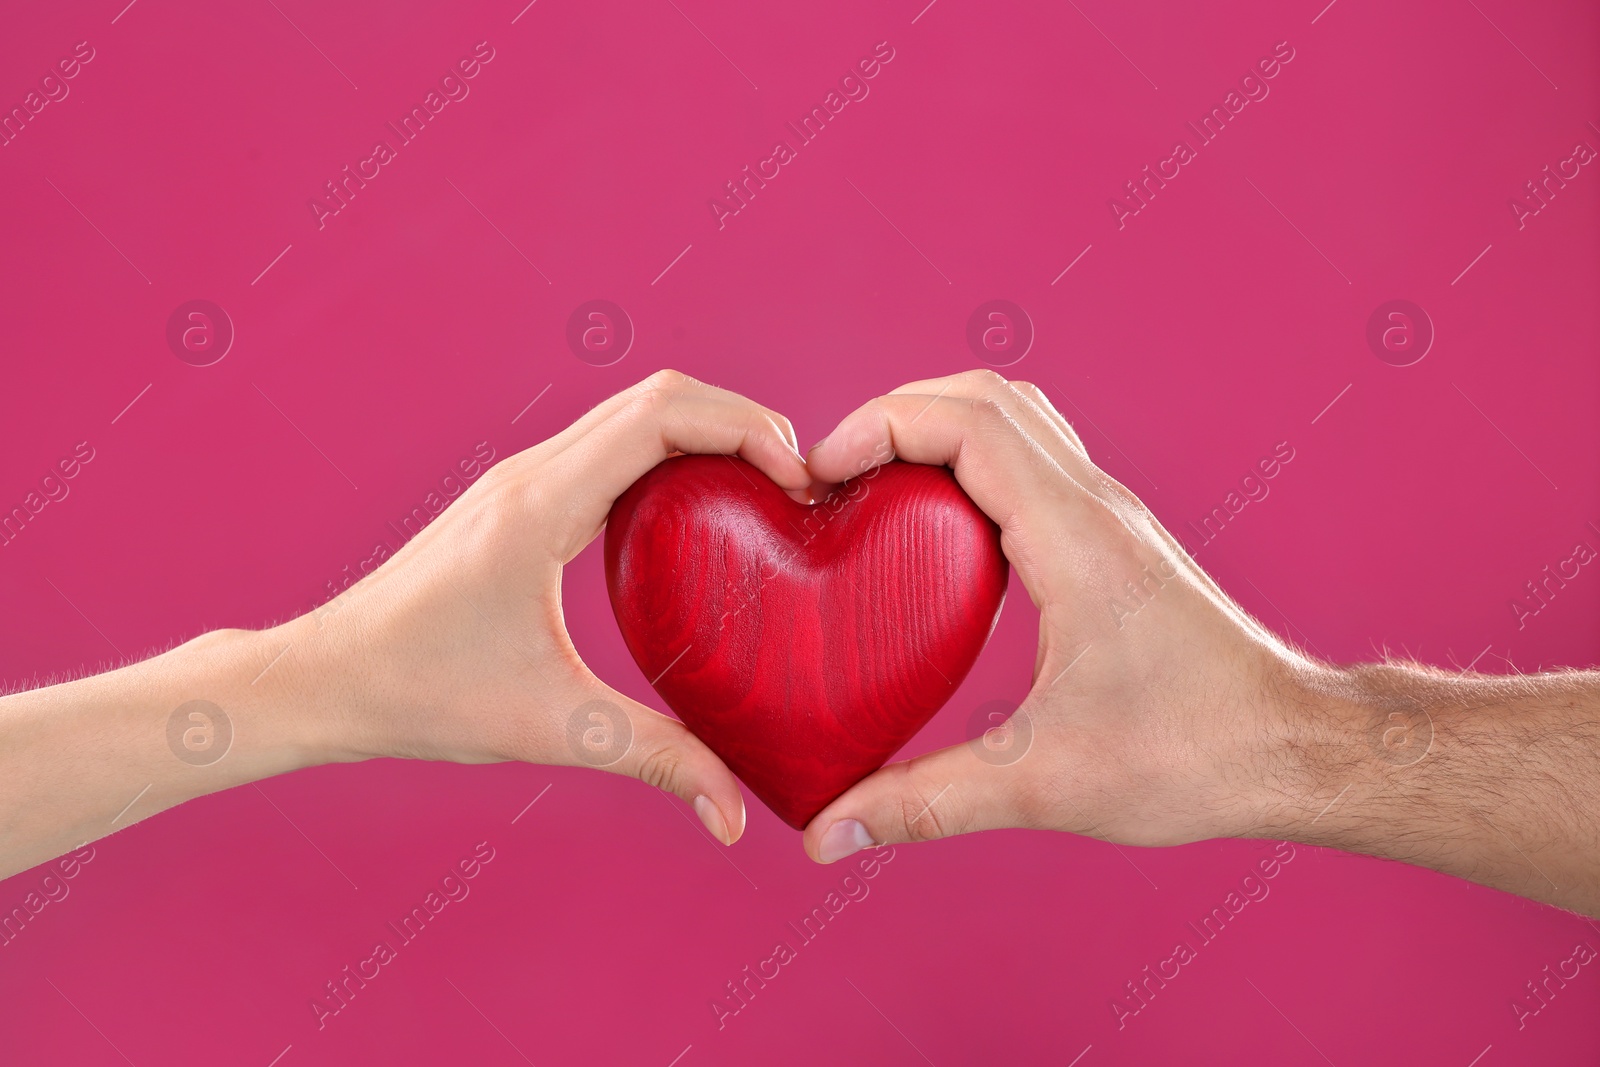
{"type": "Point", "coordinates": [803, 644]}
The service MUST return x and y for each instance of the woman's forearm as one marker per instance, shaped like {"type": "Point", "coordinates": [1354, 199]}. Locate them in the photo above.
{"type": "Point", "coordinates": [89, 757]}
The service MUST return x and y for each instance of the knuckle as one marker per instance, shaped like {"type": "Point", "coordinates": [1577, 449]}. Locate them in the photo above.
{"type": "Point", "coordinates": [651, 404]}
{"type": "Point", "coordinates": [989, 412]}
{"type": "Point", "coordinates": [776, 425]}
{"type": "Point", "coordinates": [990, 380]}
{"type": "Point", "coordinates": [921, 822]}
{"type": "Point", "coordinates": [667, 376]}
{"type": "Point", "coordinates": [658, 402]}
{"type": "Point", "coordinates": [667, 380]}
{"type": "Point", "coordinates": [928, 812]}
{"type": "Point", "coordinates": [1032, 392]}
{"type": "Point", "coordinates": [501, 472]}
{"type": "Point", "coordinates": [659, 768]}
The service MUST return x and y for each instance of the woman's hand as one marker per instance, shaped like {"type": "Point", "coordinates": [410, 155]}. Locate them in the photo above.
{"type": "Point", "coordinates": [455, 649]}
{"type": "Point", "coordinates": [1155, 699]}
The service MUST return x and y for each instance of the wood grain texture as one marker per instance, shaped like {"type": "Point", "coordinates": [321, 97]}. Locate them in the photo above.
{"type": "Point", "coordinates": [803, 644]}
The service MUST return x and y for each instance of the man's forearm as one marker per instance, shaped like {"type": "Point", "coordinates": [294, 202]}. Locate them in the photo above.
{"type": "Point", "coordinates": [1493, 779]}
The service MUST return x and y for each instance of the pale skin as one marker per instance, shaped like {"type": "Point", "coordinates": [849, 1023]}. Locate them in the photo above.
{"type": "Point", "coordinates": [454, 649]}
{"type": "Point", "coordinates": [1178, 719]}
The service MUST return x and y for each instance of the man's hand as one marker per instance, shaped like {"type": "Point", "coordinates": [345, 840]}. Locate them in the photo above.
{"type": "Point", "coordinates": [1162, 713]}
{"type": "Point", "coordinates": [1154, 696]}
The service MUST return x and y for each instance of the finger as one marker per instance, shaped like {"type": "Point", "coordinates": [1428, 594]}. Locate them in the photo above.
{"type": "Point", "coordinates": [1001, 467]}
{"type": "Point", "coordinates": [938, 386]}
{"type": "Point", "coordinates": [1041, 418]}
{"type": "Point", "coordinates": [985, 382]}
{"type": "Point", "coordinates": [1042, 421]}
{"type": "Point", "coordinates": [1042, 508]}
{"type": "Point", "coordinates": [673, 380]}
{"type": "Point", "coordinates": [1037, 415]}
{"type": "Point", "coordinates": [558, 442]}
{"type": "Point", "coordinates": [664, 420]}
{"type": "Point", "coordinates": [509, 468]}
{"type": "Point", "coordinates": [1061, 441]}
{"type": "Point", "coordinates": [593, 472]}
{"type": "Point", "coordinates": [609, 732]}
{"type": "Point", "coordinates": [937, 795]}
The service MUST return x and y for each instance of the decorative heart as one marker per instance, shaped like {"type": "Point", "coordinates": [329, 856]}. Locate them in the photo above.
{"type": "Point", "coordinates": [803, 644]}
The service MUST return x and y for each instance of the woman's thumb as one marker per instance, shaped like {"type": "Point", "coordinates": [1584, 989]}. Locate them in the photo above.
{"type": "Point", "coordinates": [612, 733]}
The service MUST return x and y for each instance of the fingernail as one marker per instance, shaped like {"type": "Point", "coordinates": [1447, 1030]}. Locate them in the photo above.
{"type": "Point", "coordinates": [816, 446]}
{"type": "Point", "coordinates": [844, 838]}
{"type": "Point", "coordinates": [712, 818]}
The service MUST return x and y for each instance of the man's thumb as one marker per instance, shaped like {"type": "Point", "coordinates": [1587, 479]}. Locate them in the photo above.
{"type": "Point", "coordinates": [937, 795]}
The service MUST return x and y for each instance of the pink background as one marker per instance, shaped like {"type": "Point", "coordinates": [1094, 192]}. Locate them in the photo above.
{"type": "Point", "coordinates": [1225, 317]}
